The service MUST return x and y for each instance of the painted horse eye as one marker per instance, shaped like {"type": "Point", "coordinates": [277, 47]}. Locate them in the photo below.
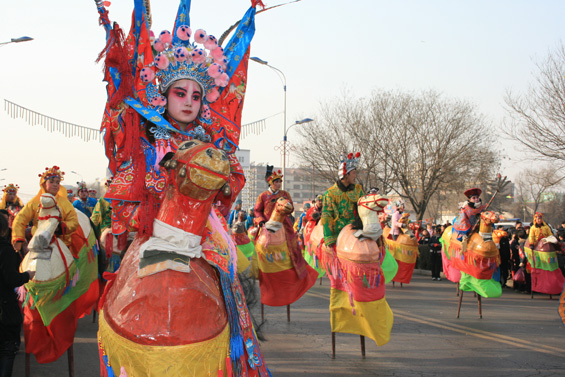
{"type": "Point", "coordinates": [187, 144]}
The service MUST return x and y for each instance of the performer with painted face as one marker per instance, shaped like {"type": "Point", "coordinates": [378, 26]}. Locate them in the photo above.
{"type": "Point", "coordinates": [50, 182]}
{"type": "Point", "coordinates": [172, 119]}
{"type": "Point", "coordinates": [11, 201]}
{"type": "Point", "coordinates": [84, 203]}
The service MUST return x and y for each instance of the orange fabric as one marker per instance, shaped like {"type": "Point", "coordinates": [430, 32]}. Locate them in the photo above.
{"type": "Point", "coordinates": [283, 288]}
{"type": "Point", "coordinates": [404, 274]}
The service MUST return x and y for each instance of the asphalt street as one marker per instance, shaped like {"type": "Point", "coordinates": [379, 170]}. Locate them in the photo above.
{"type": "Point", "coordinates": [517, 336]}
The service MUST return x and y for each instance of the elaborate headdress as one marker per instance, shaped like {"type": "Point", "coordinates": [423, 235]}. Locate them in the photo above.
{"type": "Point", "coordinates": [271, 175]}
{"type": "Point", "coordinates": [538, 215]}
{"type": "Point", "coordinates": [319, 197]}
{"type": "Point", "coordinates": [49, 173]}
{"type": "Point", "coordinates": [11, 189]}
{"type": "Point", "coordinates": [472, 192]}
{"type": "Point", "coordinates": [81, 186]}
{"type": "Point", "coordinates": [179, 59]}
{"type": "Point", "coordinates": [348, 163]}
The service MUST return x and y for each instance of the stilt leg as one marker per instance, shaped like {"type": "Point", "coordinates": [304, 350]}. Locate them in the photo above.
{"type": "Point", "coordinates": [550, 297]}
{"type": "Point", "coordinates": [288, 313]}
{"type": "Point", "coordinates": [460, 299]}
{"type": "Point", "coordinates": [71, 360]}
{"type": "Point", "coordinates": [27, 367]}
{"type": "Point", "coordinates": [320, 280]}
{"type": "Point", "coordinates": [262, 312]}
{"type": "Point", "coordinates": [457, 289]}
{"type": "Point", "coordinates": [532, 291]}
{"type": "Point", "coordinates": [393, 283]}
{"type": "Point", "coordinates": [480, 307]}
{"type": "Point", "coordinates": [400, 285]}
{"type": "Point", "coordinates": [362, 346]}
{"type": "Point", "coordinates": [93, 315]}
{"type": "Point", "coordinates": [333, 345]}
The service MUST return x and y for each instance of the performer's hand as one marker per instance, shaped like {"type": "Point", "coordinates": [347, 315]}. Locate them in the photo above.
{"type": "Point", "coordinates": [31, 274]}
{"type": "Point", "coordinates": [18, 245]}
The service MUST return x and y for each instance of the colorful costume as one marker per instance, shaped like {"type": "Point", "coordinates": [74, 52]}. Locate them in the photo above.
{"type": "Point", "coordinates": [312, 218]}
{"type": "Point", "coordinates": [12, 206]}
{"type": "Point", "coordinates": [546, 277]}
{"type": "Point", "coordinates": [187, 265]}
{"type": "Point", "coordinates": [468, 215]}
{"type": "Point", "coordinates": [65, 286]}
{"type": "Point", "coordinates": [102, 215]}
{"type": "Point", "coordinates": [86, 205]}
{"type": "Point", "coordinates": [69, 221]}
{"type": "Point", "coordinates": [357, 301]}
{"type": "Point", "coordinates": [284, 275]}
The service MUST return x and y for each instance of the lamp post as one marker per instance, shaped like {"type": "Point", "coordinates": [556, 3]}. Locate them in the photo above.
{"type": "Point", "coordinates": [17, 40]}
{"type": "Point", "coordinates": [80, 175]}
{"type": "Point", "coordinates": [284, 149]}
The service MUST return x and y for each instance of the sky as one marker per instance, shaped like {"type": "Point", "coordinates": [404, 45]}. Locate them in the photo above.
{"type": "Point", "coordinates": [472, 50]}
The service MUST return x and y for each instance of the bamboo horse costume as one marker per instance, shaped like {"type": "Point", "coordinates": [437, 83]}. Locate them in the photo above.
{"type": "Point", "coordinates": [139, 133]}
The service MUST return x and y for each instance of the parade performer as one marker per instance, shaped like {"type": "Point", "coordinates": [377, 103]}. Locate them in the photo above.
{"type": "Point", "coordinates": [340, 200]}
{"type": "Point", "coordinates": [404, 249]}
{"type": "Point", "coordinates": [65, 286]}
{"type": "Point", "coordinates": [468, 215]}
{"type": "Point", "coordinates": [284, 275]}
{"type": "Point", "coordinates": [50, 182]}
{"type": "Point", "coordinates": [11, 201]}
{"type": "Point", "coordinates": [92, 193]}
{"type": "Point", "coordinates": [357, 300]}
{"type": "Point", "coordinates": [234, 213]}
{"type": "Point", "coordinates": [396, 224]}
{"type": "Point", "coordinates": [245, 247]}
{"type": "Point", "coordinates": [312, 219]}
{"type": "Point", "coordinates": [162, 104]}
{"type": "Point", "coordinates": [84, 203]}
{"type": "Point", "coordinates": [541, 255]}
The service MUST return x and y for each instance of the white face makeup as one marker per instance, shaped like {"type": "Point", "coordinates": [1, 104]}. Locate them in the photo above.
{"type": "Point", "coordinates": [184, 100]}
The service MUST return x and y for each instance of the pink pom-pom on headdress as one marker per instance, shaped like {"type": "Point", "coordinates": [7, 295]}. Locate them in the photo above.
{"type": "Point", "coordinates": [222, 80]}
{"type": "Point", "coordinates": [166, 37]}
{"type": "Point", "coordinates": [211, 43]}
{"type": "Point", "coordinates": [159, 45]}
{"type": "Point", "coordinates": [161, 61]}
{"type": "Point", "coordinates": [206, 113]}
{"type": "Point", "coordinates": [147, 75]}
{"type": "Point", "coordinates": [200, 36]}
{"type": "Point", "coordinates": [198, 55]}
{"type": "Point", "coordinates": [181, 54]}
{"type": "Point", "coordinates": [158, 101]}
{"type": "Point", "coordinates": [184, 32]}
{"type": "Point", "coordinates": [213, 95]}
{"type": "Point", "coordinates": [151, 36]}
{"type": "Point", "coordinates": [215, 70]}
{"type": "Point", "coordinates": [217, 53]}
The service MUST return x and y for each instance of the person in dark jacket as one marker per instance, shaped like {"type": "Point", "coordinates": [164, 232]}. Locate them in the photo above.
{"type": "Point", "coordinates": [435, 253]}
{"type": "Point", "coordinates": [10, 313]}
{"type": "Point", "coordinates": [504, 248]}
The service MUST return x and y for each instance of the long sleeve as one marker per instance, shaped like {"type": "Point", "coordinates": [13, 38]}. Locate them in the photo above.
{"type": "Point", "coordinates": [22, 220]}
{"type": "Point", "coordinates": [259, 210]}
{"type": "Point", "coordinates": [328, 221]}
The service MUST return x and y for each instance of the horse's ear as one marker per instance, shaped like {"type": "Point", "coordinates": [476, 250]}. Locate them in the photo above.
{"type": "Point", "coordinates": [167, 160]}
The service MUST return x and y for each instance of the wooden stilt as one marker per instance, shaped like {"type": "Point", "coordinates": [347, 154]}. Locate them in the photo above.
{"type": "Point", "coordinates": [27, 367]}
{"type": "Point", "coordinates": [93, 315]}
{"type": "Point", "coordinates": [480, 306]}
{"type": "Point", "coordinates": [262, 312]}
{"type": "Point", "coordinates": [460, 299]}
{"type": "Point", "coordinates": [400, 285]}
{"type": "Point", "coordinates": [393, 283]}
{"type": "Point", "coordinates": [457, 289]}
{"type": "Point", "coordinates": [362, 346]}
{"type": "Point", "coordinates": [551, 297]}
{"type": "Point", "coordinates": [532, 292]}
{"type": "Point", "coordinates": [71, 360]}
{"type": "Point", "coordinates": [288, 313]}
{"type": "Point", "coordinates": [320, 280]}
{"type": "Point", "coordinates": [333, 345]}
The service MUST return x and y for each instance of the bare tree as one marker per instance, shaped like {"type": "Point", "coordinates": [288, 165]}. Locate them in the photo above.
{"type": "Point", "coordinates": [533, 185]}
{"type": "Point", "coordinates": [537, 119]}
{"type": "Point", "coordinates": [411, 144]}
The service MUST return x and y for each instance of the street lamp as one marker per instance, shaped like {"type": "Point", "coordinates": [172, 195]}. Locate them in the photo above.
{"type": "Point", "coordinates": [74, 172]}
{"type": "Point", "coordinates": [284, 144]}
{"type": "Point", "coordinates": [17, 40]}
{"type": "Point", "coordinates": [283, 79]}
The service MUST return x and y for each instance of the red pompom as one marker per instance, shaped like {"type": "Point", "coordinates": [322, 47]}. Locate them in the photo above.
{"type": "Point", "coordinates": [358, 154]}
{"type": "Point", "coordinates": [350, 156]}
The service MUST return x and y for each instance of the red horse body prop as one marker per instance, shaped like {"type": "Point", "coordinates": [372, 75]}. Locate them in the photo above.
{"type": "Point", "coordinates": [176, 306]}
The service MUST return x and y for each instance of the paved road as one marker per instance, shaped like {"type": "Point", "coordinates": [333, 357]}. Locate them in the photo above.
{"type": "Point", "coordinates": [517, 336]}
